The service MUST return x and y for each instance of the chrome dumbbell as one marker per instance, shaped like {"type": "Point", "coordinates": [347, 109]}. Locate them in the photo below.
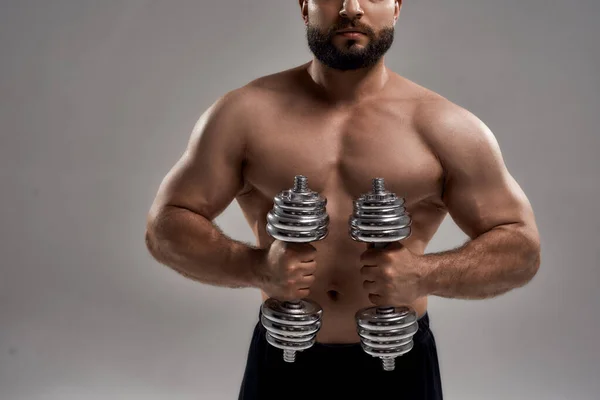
{"type": "Point", "coordinates": [299, 215]}
{"type": "Point", "coordinates": [379, 218]}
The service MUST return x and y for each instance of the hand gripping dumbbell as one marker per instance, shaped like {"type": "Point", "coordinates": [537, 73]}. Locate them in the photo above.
{"type": "Point", "coordinates": [298, 215]}
{"type": "Point", "coordinates": [379, 218]}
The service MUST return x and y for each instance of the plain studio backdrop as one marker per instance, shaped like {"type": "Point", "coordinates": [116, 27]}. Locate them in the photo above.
{"type": "Point", "coordinates": [97, 101]}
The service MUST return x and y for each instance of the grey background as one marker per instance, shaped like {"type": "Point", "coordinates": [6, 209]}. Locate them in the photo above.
{"type": "Point", "coordinates": [97, 100]}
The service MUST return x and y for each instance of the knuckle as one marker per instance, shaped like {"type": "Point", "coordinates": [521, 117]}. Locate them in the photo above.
{"type": "Point", "coordinates": [387, 273]}
{"type": "Point", "coordinates": [291, 268]}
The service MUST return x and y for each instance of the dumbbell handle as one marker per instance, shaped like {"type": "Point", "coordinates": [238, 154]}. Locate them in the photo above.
{"type": "Point", "coordinates": [292, 303]}
{"type": "Point", "coordinates": [381, 245]}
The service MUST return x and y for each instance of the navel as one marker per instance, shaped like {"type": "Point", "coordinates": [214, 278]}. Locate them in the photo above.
{"type": "Point", "coordinates": [333, 295]}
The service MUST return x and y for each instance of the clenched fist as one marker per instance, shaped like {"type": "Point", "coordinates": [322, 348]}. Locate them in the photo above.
{"type": "Point", "coordinates": [392, 276]}
{"type": "Point", "coordinates": [289, 270]}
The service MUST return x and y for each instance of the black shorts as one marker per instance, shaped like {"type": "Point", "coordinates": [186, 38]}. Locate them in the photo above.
{"type": "Point", "coordinates": [341, 371]}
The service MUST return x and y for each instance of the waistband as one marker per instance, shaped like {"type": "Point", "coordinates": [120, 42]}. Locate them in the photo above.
{"type": "Point", "coordinates": [422, 333]}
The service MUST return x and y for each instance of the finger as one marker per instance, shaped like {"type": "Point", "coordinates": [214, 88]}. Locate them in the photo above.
{"type": "Point", "coordinates": [371, 287]}
{"type": "Point", "coordinates": [307, 257]}
{"type": "Point", "coordinates": [369, 273]}
{"type": "Point", "coordinates": [306, 281]}
{"type": "Point", "coordinates": [302, 293]}
{"type": "Point", "coordinates": [375, 259]}
{"type": "Point", "coordinates": [369, 257]}
{"type": "Point", "coordinates": [376, 299]}
{"type": "Point", "coordinates": [308, 268]}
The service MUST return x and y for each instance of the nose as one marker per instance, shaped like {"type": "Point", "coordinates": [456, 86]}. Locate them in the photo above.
{"type": "Point", "coordinates": [351, 9]}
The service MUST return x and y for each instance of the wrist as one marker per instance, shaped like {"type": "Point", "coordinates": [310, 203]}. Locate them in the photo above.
{"type": "Point", "coordinates": [257, 260]}
{"type": "Point", "coordinates": [249, 263]}
{"type": "Point", "coordinates": [428, 267]}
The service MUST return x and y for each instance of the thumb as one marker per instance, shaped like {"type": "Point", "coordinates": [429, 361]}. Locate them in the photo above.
{"type": "Point", "coordinates": [369, 256]}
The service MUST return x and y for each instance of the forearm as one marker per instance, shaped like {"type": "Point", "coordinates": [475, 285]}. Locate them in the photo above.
{"type": "Point", "coordinates": [196, 248]}
{"type": "Point", "coordinates": [490, 265]}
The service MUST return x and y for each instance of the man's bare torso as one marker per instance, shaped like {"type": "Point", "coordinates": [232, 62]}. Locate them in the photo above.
{"type": "Point", "coordinates": [340, 149]}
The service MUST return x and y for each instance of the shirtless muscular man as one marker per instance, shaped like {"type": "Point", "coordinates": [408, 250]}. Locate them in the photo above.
{"type": "Point", "coordinates": [342, 119]}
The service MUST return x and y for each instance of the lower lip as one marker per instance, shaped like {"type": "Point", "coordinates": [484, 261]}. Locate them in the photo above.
{"type": "Point", "coordinates": [353, 35]}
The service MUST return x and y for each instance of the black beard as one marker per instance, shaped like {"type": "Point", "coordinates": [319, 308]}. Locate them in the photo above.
{"type": "Point", "coordinates": [349, 58]}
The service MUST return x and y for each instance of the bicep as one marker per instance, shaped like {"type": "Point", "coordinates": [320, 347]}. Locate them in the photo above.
{"type": "Point", "coordinates": [479, 193]}
{"type": "Point", "coordinates": [208, 175]}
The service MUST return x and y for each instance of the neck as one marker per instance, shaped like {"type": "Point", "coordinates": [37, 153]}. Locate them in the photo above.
{"type": "Point", "coordinates": [348, 86]}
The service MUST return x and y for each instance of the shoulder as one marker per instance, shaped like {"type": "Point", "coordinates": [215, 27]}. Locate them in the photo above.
{"type": "Point", "coordinates": [278, 82]}
{"type": "Point", "coordinates": [436, 117]}
{"type": "Point", "coordinates": [235, 113]}
{"type": "Point", "coordinates": [452, 131]}
{"type": "Point", "coordinates": [248, 101]}
{"type": "Point", "coordinates": [455, 135]}
{"type": "Point", "coordinates": [439, 117]}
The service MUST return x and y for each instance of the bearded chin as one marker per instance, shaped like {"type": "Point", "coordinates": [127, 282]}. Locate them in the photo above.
{"type": "Point", "coordinates": [351, 57]}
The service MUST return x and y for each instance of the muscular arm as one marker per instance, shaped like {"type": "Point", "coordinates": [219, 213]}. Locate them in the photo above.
{"type": "Point", "coordinates": [486, 202]}
{"type": "Point", "coordinates": [180, 232]}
